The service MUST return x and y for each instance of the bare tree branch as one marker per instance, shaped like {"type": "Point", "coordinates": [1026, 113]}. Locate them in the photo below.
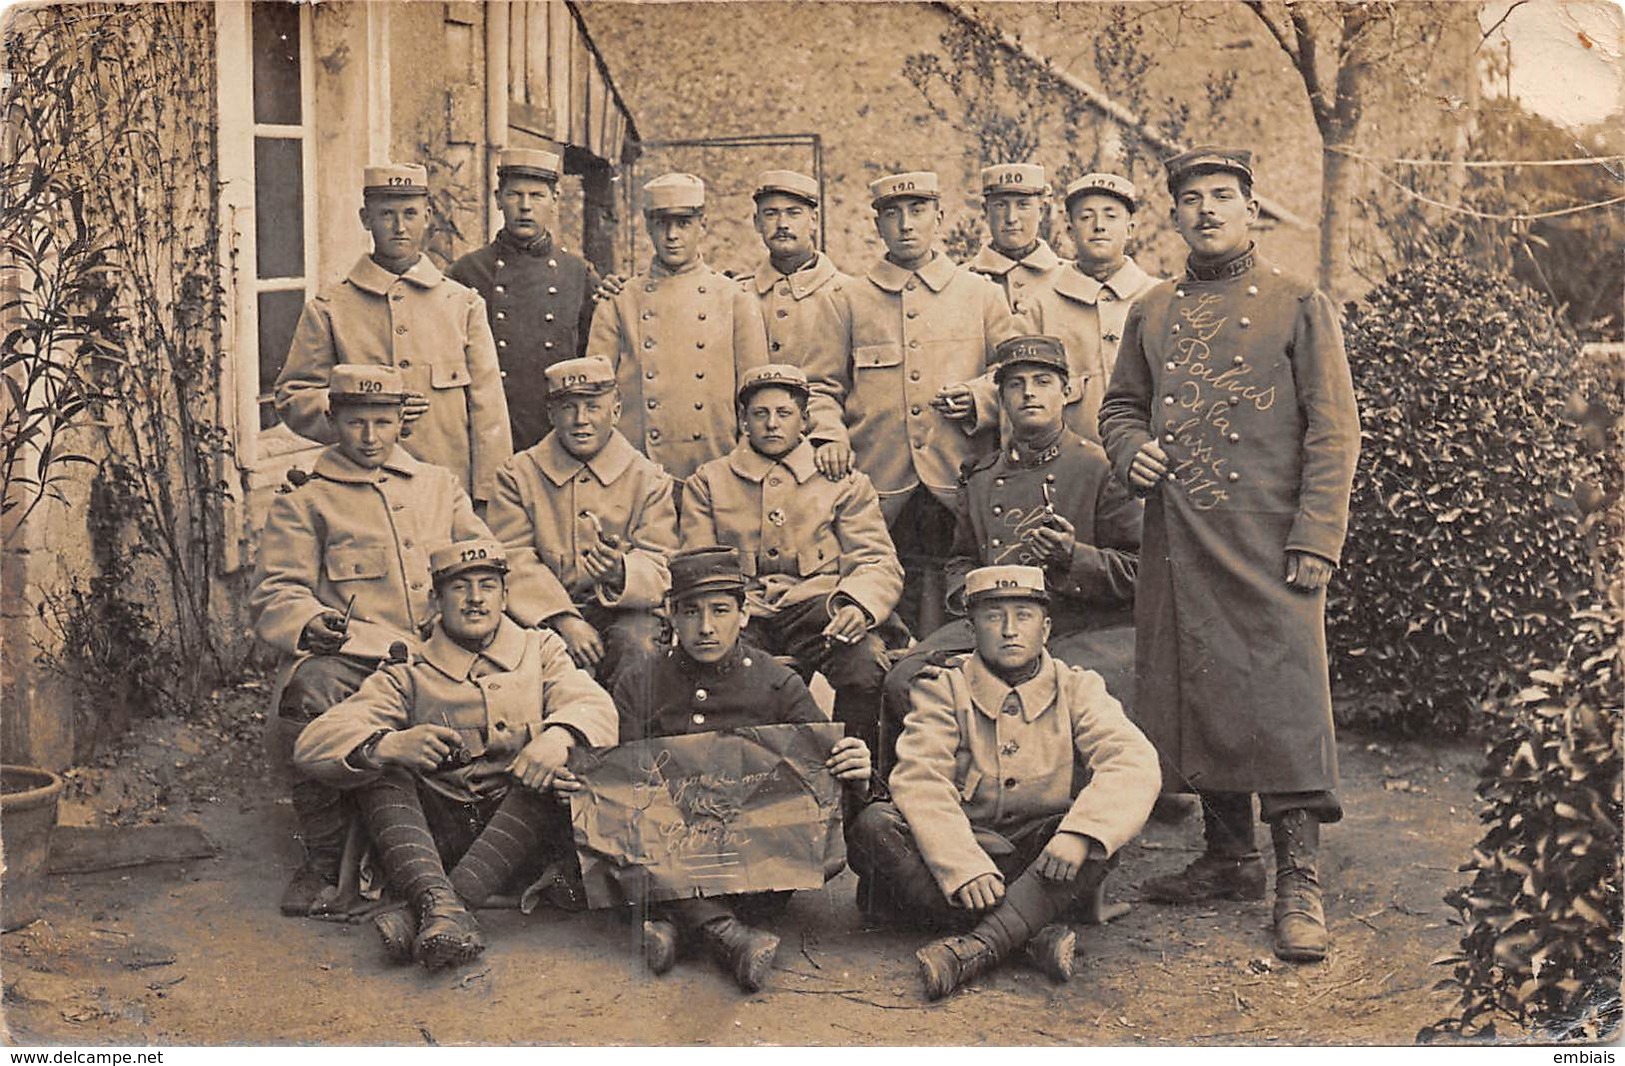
{"type": "Point", "coordinates": [1498, 23]}
{"type": "Point", "coordinates": [1307, 65]}
{"type": "Point", "coordinates": [1280, 35]}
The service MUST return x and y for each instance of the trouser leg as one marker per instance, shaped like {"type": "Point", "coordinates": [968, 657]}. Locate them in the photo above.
{"type": "Point", "coordinates": [922, 531]}
{"type": "Point", "coordinates": [518, 836]}
{"type": "Point", "coordinates": [894, 883]}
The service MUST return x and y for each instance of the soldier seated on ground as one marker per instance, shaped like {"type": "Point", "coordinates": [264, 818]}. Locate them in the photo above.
{"type": "Point", "coordinates": [1047, 498]}
{"type": "Point", "coordinates": [823, 577]}
{"type": "Point", "coordinates": [587, 523]}
{"type": "Point", "coordinates": [453, 757]}
{"type": "Point", "coordinates": [343, 576]}
{"type": "Point", "coordinates": [714, 681]}
{"type": "Point", "coordinates": [984, 833]}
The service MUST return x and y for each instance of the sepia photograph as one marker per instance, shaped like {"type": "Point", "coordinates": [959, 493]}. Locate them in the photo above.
{"type": "Point", "coordinates": [812, 523]}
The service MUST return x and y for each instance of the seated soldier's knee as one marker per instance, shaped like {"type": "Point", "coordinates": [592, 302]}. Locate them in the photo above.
{"type": "Point", "coordinates": [318, 683]}
{"type": "Point", "coordinates": [861, 666]}
{"type": "Point", "coordinates": [877, 836]}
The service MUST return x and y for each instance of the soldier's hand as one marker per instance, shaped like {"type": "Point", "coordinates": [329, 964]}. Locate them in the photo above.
{"type": "Point", "coordinates": [955, 402]}
{"type": "Point", "coordinates": [565, 782]}
{"type": "Point", "coordinates": [849, 760]}
{"type": "Point", "coordinates": [324, 634]}
{"type": "Point", "coordinates": [415, 407]}
{"type": "Point", "coordinates": [983, 893]}
{"type": "Point", "coordinates": [1149, 467]}
{"type": "Point", "coordinates": [834, 459]}
{"type": "Point", "coordinates": [609, 287]}
{"type": "Point", "coordinates": [1055, 540]}
{"type": "Point", "coordinates": [1306, 572]}
{"type": "Point", "coordinates": [422, 748]}
{"type": "Point", "coordinates": [605, 566]}
{"type": "Point", "coordinates": [848, 625]}
{"type": "Point", "coordinates": [538, 763]}
{"type": "Point", "coordinates": [585, 645]}
{"type": "Point", "coordinates": [1063, 857]}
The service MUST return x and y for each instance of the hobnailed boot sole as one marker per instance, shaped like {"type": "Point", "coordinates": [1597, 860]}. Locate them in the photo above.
{"type": "Point", "coordinates": [396, 932]}
{"type": "Point", "coordinates": [1051, 951]}
{"type": "Point", "coordinates": [754, 965]}
{"type": "Point", "coordinates": [439, 951]}
{"type": "Point", "coordinates": [659, 946]}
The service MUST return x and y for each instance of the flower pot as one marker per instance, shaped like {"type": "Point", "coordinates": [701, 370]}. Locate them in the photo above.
{"type": "Point", "coordinates": [28, 801]}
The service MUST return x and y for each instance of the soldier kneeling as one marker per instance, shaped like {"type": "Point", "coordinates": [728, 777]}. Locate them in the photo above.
{"type": "Point", "coordinates": [451, 756]}
{"type": "Point", "coordinates": [984, 832]}
{"type": "Point", "coordinates": [713, 681]}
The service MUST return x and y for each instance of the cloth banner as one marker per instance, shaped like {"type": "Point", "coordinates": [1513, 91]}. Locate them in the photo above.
{"type": "Point", "coordinates": [708, 814]}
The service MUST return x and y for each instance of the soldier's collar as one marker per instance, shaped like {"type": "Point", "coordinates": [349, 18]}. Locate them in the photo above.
{"type": "Point", "coordinates": [936, 274]}
{"type": "Point", "coordinates": [375, 279]}
{"type": "Point", "coordinates": [803, 283]}
{"type": "Point", "coordinates": [990, 260]}
{"type": "Point", "coordinates": [1233, 267]}
{"type": "Point", "coordinates": [690, 667]}
{"type": "Point", "coordinates": [334, 465]}
{"type": "Point", "coordinates": [538, 246]}
{"type": "Point", "coordinates": [657, 269]}
{"type": "Point", "coordinates": [988, 690]}
{"type": "Point", "coordinates": [752, 465]}
{"type": "Point", "coordinates": [1045, 453]}
{"type": "Point", "coordinates": [507, 650]}
{"type": "Point", "coordinates": [560, 466]}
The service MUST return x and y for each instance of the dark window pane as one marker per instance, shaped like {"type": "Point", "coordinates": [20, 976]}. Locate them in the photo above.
{"type": "Point", "coordinates": [276, 62]}
{"type": "Point", "coordinates": [279, 313]}
{"type": "Point", "coordinates": [279, 208]}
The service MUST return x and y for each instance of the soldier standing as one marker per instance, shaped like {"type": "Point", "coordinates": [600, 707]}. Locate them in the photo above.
{"type": "Point", "coordinates": [396, 309]}
{"type": "Point", "coordinates": [680, 336]}
{"type": "Point", "coordinates": [1015, 205]}
{"type": "Point", "coordinates": [987, 831]}
{"type": "Point", "coordinates": [919, 330]}
{"type": "Point", "coordinates": [587, 523]}
{"type": "Point", "coordinates": [798, 286]}
{"type": "Point", "coordinates": [538, 294]}
{"type": "Point", "coordinates": [1087, 301]}
{"type": "Point", "coordinates": [823, 575]}
{"type": "Point", "coordinates": [343, 576]}
{"type": "Point", "coordinates": [1232, 411]}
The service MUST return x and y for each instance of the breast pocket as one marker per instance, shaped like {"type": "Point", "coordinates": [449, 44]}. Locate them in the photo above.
{"type": "Point", "coordinates": [442, 376]}
{"type": "Point", "coordinates": [877, 356]}
{"type": "Point", "coordinates": [357, 564]}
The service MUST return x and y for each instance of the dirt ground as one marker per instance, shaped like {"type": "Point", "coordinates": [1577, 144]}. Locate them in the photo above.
{"type": "Point", "coordinates": [196, 952]}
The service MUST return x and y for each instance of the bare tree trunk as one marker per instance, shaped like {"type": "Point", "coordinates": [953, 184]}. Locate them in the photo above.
{"type": "Point", "coordinates": [1336, 208]}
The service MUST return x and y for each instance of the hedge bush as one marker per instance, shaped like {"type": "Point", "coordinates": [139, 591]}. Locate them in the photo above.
{"type": "Point", "coordinates": [1465, 556]}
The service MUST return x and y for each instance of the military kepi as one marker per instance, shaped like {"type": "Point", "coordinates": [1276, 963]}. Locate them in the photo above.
{"type": "Point", "coordinates": [787, 182]}
{"type": "Point", "coordinates": [779, 375]}
{"type": "Point", "coordinates": [674, 194]}
{"type": "Point", "coordinates": [592, 376]}
{"type": "Point", "coordinates": [1105, 184]}
{"type": "Point", "coordinates": [461, 556]}
{"type": "Point", "coordinates": [921, 184]}
{"type": "Point", "coordinates": [1207, 159]}
{"type": "Point", "coordinates": [700, 570]}
{"type": "Point", "coordinates": [395, 179]}
{"type": "Point", "coordinates": [1014, 178]}
{"type": "Point", "coordinates": [1005, 583]}
{"type": "Point", "coordinates": [1030, 350]}
{"type": "Point", "coordinates": [528, 163]}
{"type": "Point", "coordinates": [357, 383]}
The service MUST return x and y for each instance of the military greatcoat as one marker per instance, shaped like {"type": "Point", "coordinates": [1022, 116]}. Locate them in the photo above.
{"type": "Point", "coordinates": [804, 326]}
{"type": "Point", "coordinates": [538, 301]}
{"type": "Point", "coordinates": [672, 695]}
{"type": "Point", "coordinates": [433, 331]}
{"type": "Point", "coordinates": [1239, 373]}
{"type": "Point", "coordinates": [679, 344]}
{"type": "Point", "coordinates": [1021, 279]}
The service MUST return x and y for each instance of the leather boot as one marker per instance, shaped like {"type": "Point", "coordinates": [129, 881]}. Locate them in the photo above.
{"type": "Point", "coordinates": [659, 945]}
{"type": "Point", "coordinates": [396, 932]}
{"type": "Point", "coordinates": [748, 953]}
{"type": "Point", "coordinates": [1229, 868]}
{"type": "Point", "coordinates": [1300, 921]}
{"type": "Point", "coordinates": [448, 935]}
{"type": "Point", "coordinates": [1051, 950]}
{"type": "Point", "coordinates": [948, 963]}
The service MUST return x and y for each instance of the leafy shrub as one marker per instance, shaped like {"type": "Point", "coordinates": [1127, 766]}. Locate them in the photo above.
{"type": "Point", "coordinates": [1542, 915]}
{"type": "Point", "coordinates": [1465, 556]}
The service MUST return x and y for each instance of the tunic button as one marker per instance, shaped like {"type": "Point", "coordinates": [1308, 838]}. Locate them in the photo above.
{"type": "Point", "coordinates": [501, 262]}
{"type": "Point", "coordinates": [780, 313]}
{"type": "Point", "coordinates": [745, 661]}
{"type": "Point", "coordinates": [1175, 328]}
{"type": "Point", "coordinates": [552, 290]}
{"type": "Point", "coordinates": [914, 375]}
{"type": "Point", "coordinates": [585, 479]}
{"type": "Point", "coordinates": [1245, 321]}
{"type": "Point", "coordinates": [699, 344]}
{"type": "Point", "coordinates": [406, 543]}
{"type": "Point", "coordinates": [502, 288]}
{"type": "Point", "coordinates": [1239, 360]}
{"type": "Point", "coordinates": [910, 286]}
{"type": "Point", "coordinates": [784, 290]}
{"type": "Point", "coordinates": [398, 507]}
{"type": "Point", "coordinates": [404, 364]}
{"type": "Point", "coordinates": [913, 314]}
{"type": "Point", "coordinates": [500, 726]}
{"type": "Point", "coordinates": [650, 374]}
{"type": "Point", "coordinates": [911, 344]}
{"type": "Point", "coordinates": [1234, 400]}
{"type": "Point", "coordinates": [501, 315]}
{"type": "Point", "coordinates": [699, 719]}
{"type": "Point", "coordinates": [777, 346]}
{"type": "Point", "coordinates": [1235, 438]}
{"type": "Point", "coordinates": [700, 374]}
{"type": "Point", "coordinates": [654, 434]}
{"type": "Point", "coordinates": [999, 481]}
{"type": "Point", "coordinates": [997, 510]}
{"type": "Point", "coordinates": [647, 315]}
{"type": "Point", "coordinates": [417, 585]}
{"type": "Point", "coordinates": [548, 317]}
{"type": "Point", "coordinates": [1167, 401]}
{"type": "Point", "coordinates": [1171, 365]}
{"type": "Point", "coordinates": [397, 296]}
{"type": "Point", "coordinates": [702, 288]}
{"type": "Point", "coordinates": [696, 436]}
{"type": "Point", "coordinates": [547, 345]}
{"type": "Point", "coordinates": [702, 316]}
{"type": "Point", "coordinates": [1010, 748]}
{"type": "Point", "coordinates": [1179, 293]}
{"type": "Point", "coordinates": [699, 405]}
{"type": "Point", "coordinates": [652, 404]}
{"type": "Point", "coordinates": [1169, 437]}
{"type": "Point", "coordinates": [773, 553]}
{"type": "Point", "coordinates": [996, 542]}
{"type": "Point", "coordinates": [502, 344]}
{"type": "Point", "coordinates": [701, 695]}
{"type": "Point", "coordinates": [1050, 478]}
{"type": "Point", "coordinates": [648, 342]}
{"type": "Point", "coordinates": [1009, 782]}
{"type": "Point", "coordinates": [400, 329]}
{"type": "Point", "coordinates": [775, 480]}
{"type": "Point", "coordinates": [649, 287]}
{"type": "Point", "coordinates": [1234, 476]}
{"type": "Point", "coordinates": [1252, 290]}
{"type": "Point", "coordinates": [914, 410]}
{"type": "Point", "coordinates": [552, 262]}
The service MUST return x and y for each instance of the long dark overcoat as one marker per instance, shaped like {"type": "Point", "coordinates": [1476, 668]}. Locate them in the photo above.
{"type": "Point", "coordinates": [1243, 380]}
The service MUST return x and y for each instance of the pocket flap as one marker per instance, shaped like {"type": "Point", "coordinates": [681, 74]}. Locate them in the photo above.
{"type": "Point", "coordinates": [816, 556]}
{"type": "Point", "coordinates": [973, 779]}
{"type": "Point", "coordinates": [347, 564]}
{"type": "Point", "coordinates": [448, 377]}
{"type": "Point", "coordinates": [876, 355]}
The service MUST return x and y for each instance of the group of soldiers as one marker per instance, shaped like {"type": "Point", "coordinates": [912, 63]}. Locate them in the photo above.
{"type": "Point", "coordinates": [992, 504]}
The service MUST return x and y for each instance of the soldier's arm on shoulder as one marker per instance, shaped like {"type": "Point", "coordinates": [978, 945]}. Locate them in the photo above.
{"type": "Point", "coordinates": [1125, 776]}
{"type": "Point", "coordinates": [1331, 437]}
{"type": "Point", "coordinates": [829, 372]}
{"type": "Point", "coordinates": [587, 311]}
{"type": "Point", "coordinates": [301, 387]}
{"type": "Point", "coordinates": [285, 599]}
{"type": "Point", "coordinates": [604, 338]}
